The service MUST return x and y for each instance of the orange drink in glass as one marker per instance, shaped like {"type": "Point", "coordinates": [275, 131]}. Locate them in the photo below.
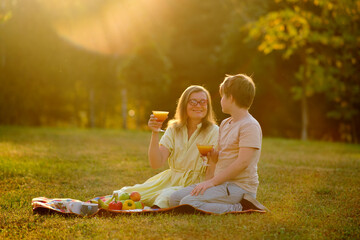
{"type": "Point", "coordinates": [204, 149]}
{"type": "Point", "coordinates": [161, 116]}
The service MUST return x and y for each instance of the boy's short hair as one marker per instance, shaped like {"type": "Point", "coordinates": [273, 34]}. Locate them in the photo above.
{"type": "Point", "coordinates": [241, 87]}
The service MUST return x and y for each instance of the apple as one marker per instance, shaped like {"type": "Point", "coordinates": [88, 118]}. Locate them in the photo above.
{"type": "Point", "coordinates": [128, 204]}
{"type": "Point", "coordinates": [115, 205]}
{"type": "Point", "coordinates": [135, 196]}
{"type": "Point", "coordinates": [139, 205]}
{"type": "Point", "coordinates": [124, 196]}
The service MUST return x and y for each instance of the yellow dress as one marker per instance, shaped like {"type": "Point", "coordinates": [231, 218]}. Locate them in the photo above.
{"type": "Point", "coordinates": [185, 165]}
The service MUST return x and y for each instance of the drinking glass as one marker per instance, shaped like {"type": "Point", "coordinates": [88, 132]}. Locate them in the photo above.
{"type": "Point", "coordinates": [161, 117]}
{"type": "Point", "coordinates": [204, 149]}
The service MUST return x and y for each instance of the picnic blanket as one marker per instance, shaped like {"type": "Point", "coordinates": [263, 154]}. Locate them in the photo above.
{"type": "Point", "coordinates": [73, 207]}
{"type": "Point", "coordinates": [68, 206]}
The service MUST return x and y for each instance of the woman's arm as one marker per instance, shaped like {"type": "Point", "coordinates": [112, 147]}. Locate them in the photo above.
{"type": "Point", "coordinates": [157, 154]}
{"type": "Point", "coordinates": [212, 160]}
{"type": "Point", "coordinates": [210, 171]}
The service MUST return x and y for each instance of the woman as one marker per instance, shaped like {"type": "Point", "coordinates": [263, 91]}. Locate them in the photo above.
{"type": "Point", "coordinates": [194, 123]}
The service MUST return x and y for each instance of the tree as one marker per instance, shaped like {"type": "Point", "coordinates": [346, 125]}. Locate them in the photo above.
{"type": "Point", "coordinates": [323, 36]}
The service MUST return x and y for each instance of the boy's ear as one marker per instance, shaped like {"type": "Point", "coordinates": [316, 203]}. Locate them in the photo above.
{"type": "Point", "coordinates": [231, 98]}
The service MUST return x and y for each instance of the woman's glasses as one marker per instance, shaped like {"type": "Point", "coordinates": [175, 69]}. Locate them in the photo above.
{"type": "Point", "coordinates": [194, 102]}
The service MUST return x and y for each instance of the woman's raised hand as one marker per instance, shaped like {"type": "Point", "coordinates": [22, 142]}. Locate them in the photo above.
{"type": "Point", "coordinates": [154, 124]}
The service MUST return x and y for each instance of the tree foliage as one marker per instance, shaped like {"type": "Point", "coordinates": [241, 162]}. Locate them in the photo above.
{"type": "Point", "coordinates": [323, 35]}
{"type": "Point", "coordinates": [292, 48]}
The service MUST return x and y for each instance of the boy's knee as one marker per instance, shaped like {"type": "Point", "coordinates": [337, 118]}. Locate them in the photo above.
{"type": "Point", "coordinates": [190, 200]}
{"type": "Point", "coordinates": [175, 199]}
{"type": "Point", "coordinates": [177, 196]}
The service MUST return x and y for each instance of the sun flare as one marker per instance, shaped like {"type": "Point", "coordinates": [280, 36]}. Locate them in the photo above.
{"type": "Point", "coordinates": [110, 27]}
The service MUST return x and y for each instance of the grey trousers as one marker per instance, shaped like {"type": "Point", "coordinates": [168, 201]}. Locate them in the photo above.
{"type": "Point", "coordinates": [219, 199]}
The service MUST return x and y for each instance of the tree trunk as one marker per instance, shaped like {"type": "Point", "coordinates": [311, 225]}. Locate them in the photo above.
{"type": "Point", "coordinates": [91, 108]}
{"type": "Point", "coordinates": [304, 113]}
{"type": "Point", "coordinates": [138, 114]}
{"type": "Point", "coordinates": [124, 107]}
{"type": "Point", "coordinates": [354, 130]}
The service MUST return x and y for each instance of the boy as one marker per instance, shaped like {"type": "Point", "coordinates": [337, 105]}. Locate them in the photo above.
{"type": "Point", "coordinates": [233, 179]}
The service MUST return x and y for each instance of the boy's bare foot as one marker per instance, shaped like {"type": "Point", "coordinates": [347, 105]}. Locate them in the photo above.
{"type": "Point", "coordinates": [249, 202]}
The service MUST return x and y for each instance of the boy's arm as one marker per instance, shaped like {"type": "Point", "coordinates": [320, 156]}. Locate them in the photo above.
{"type": "Point", "coordinates": [241, 163]}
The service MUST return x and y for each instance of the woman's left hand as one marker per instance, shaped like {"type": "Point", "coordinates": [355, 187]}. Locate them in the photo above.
{"type": "Point", "coordinates": [201, 187]}
{"type": "Point", "coordinates": [213, 156]}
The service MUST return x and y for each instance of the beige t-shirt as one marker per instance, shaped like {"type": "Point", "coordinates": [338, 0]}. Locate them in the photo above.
{"type": "Point", "coordinates": [232, 137]}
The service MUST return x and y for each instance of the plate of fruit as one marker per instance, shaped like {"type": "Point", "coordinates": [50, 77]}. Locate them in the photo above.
{"type": "Point", "coordinates": [122, 201]}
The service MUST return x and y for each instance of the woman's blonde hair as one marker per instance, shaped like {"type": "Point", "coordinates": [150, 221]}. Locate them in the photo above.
{"type": "Point", "coordinates": [181, 115]}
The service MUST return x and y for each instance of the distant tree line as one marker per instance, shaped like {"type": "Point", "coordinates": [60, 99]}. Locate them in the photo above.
{"type": "Point", "coordinates": [303, 56]}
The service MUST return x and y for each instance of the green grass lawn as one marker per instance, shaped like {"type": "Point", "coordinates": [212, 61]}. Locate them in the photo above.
{"type": "Point", "coordinates": [312, 188]}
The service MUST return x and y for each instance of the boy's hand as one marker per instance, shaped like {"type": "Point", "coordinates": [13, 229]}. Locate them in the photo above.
{"type": "Point", "coordinates": [213, 156]}
{"type": "Point", "coordinates": [201, 187]}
